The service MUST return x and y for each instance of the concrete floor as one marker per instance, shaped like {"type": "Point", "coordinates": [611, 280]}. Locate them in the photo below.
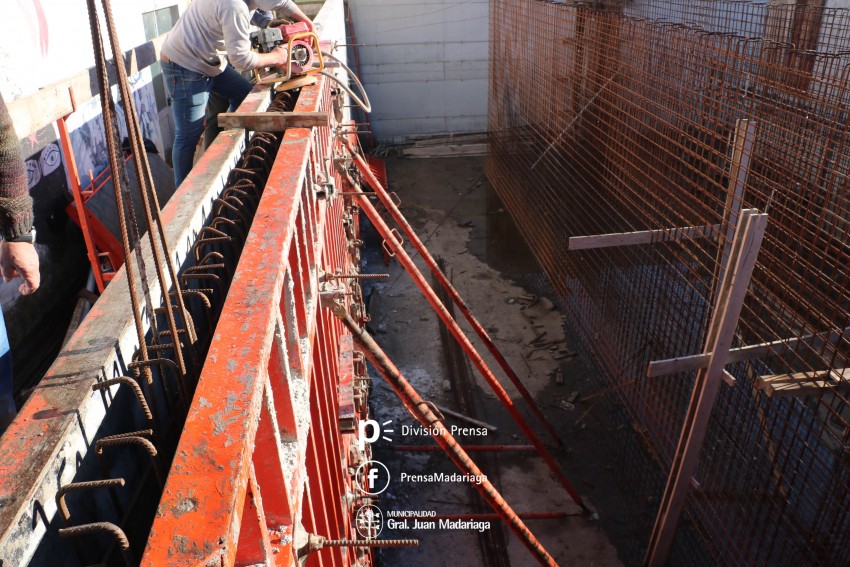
{"type": "Point", "coordinates": [452, 208]}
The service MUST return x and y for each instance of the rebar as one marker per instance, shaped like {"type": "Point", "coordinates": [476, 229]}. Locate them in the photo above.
{"type": "Point", "coordinates": [624, 119]}
{"type": "Point", "coordinates": [137, 391]}
{"type": "Point", "coordinates": [422, 412]}
{"type": "Point", "coordinates": [103, 527]}
{"type": "Point", "coordinates": [370, 543]}
{"type": "Point", "coordinates": [357, 276]}
{"type": "Point", "coordinates": [78, 486]}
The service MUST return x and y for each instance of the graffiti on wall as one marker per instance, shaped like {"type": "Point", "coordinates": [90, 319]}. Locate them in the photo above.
{"type": "Point", "coordinates": [88, 138]}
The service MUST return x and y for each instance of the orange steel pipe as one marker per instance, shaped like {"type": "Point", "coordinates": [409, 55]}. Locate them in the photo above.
{"type": "Point", "coordinates": [467, 346]}
{"type": "Point", "coordinates": [382, 194]}
{"type": "Point", "coordinates": [421, 411]}
{"type": "Point", "coordinates": [74, 179]}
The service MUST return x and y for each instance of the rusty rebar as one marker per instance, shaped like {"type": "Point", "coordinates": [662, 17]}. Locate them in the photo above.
{"type": "Point", "coordinates": [97, 527]}
{"type": "Point", "coordinates": [103, 527]}
{"type": "Point", "coordinates": [129, 440]}
{"type": "Point", "coordinates": [422, 412]}
{"type": "Point", "coordinates": [629, 124]}
{"type": "Point", "coordinates": [137, 391]}
{"type": "Point", "coordinates": [357, 276]}
{"type": "Point", "coordinates": [79, 486]}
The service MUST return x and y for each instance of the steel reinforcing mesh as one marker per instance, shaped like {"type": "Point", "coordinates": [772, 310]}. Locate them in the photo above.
{"type": "Point", "coordinates": [622, 118]}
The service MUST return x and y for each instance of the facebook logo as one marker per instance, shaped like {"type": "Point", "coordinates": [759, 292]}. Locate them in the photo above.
{"type": "Point", "coordinates": [372, 478]}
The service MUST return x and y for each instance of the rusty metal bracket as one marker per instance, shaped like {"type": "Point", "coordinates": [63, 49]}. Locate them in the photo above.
{"type": "Point", "coordinates": [399, 241]}
{"type": "Point", "coordinates": [326, 189]}
{"type": "Point", "coordinates": [332, 297]}
{"type": "Point", "coordinates": [438, 415]}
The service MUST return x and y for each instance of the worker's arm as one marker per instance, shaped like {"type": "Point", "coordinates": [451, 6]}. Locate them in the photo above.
{"type": "Point", "coordinates": [237, 32]}
{"type": "Point", "coordinates": [16, 216]}
{"type": "Point", "coordinates": [289, 8]}
{"type": "Point", "coordinates": [296, 14]}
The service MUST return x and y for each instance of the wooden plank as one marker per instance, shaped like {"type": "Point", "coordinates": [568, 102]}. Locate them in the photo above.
{"type": "Point", "coordinates": [296, 83]}
{"type": "Point", "coordinates": [730, 300]}
{"type": "Point", "coordinates": [448, 139]}
{"type": "Point", "coordinates": [696, 361]}
{"type": "Point", "coordinates": [679, 364]}
{"type": "Point", "coordinates": [642, 237]}
{"type": "Point", "coordinates": [272, 121]}
{"type": "Point", "coordinates": [34, 112]}
{"type": "Point", "coordinates": [742, 151]}
{"type": "Point", "coordinates": [799, 383]}
{"type": "Point", "coordinates": [450, 150]}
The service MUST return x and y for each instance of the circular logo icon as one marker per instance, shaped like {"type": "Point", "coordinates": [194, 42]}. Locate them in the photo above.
{"type": "Point", "coordinates": [375, 478]}
{"type": "Point", "coordinates": [369, 522]}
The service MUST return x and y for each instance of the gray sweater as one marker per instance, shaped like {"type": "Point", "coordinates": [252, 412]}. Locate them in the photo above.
{"type": "Point", "coordinates": [210, 26]}
{"type": "Point", "coordinates": [15, 202]}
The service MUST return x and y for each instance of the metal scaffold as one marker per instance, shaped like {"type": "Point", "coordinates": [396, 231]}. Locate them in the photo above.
{"type": "Point", "coordinates": [627, 149]}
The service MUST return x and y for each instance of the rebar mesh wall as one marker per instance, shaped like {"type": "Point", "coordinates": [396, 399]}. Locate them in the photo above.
{"type": "Point", "coordinates": [621, 118]}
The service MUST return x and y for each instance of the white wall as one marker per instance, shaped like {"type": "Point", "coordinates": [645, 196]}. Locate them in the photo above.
{"type": "Point", "coordinates": [45, 41]}
{"type": "Point", "coordinates": [424, 65]}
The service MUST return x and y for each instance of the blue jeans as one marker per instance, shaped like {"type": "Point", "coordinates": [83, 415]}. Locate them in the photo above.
{"type": "Point", "coordinates": [7, 403]}
{"type": "Point", "coordinates": [189, 91]}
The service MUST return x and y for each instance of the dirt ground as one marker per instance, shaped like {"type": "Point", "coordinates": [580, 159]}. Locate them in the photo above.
{"type": "Point", "coordinates": [452, 209]}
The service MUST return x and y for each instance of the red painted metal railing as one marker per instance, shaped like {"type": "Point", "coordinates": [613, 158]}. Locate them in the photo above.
{"type": "Point", "coordinates": [262, 461]}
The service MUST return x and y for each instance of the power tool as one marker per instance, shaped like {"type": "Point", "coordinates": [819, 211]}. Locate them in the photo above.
{"type": "Point", "coordinates": [303, 47]}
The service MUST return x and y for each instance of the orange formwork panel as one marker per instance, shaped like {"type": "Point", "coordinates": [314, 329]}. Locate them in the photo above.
{"type": "Point", "coordinates": [262, 461]}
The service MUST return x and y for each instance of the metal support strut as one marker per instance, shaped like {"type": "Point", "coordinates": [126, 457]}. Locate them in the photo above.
{"type": "Point", "coordinates": [382, 194]}
{"type": "Point", "coordinates": [422, 412]}
{"type": "Point", "coordinates": [465, 343]}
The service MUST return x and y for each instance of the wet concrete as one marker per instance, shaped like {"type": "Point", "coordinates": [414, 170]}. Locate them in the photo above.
{"type": "Point", "coordinates": [453, 210]}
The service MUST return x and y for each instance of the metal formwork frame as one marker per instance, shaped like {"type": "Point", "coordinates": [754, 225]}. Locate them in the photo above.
{"type": "Point", "coordinates": [261, 453]}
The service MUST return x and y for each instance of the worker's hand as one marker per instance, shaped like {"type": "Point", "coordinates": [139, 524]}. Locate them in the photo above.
{"type": "Point", "coordinates": [310, 26]}
{"type": "Point", "coordinates": [280, 56]}
{"type": "Point", "coordinates": [20, 259]}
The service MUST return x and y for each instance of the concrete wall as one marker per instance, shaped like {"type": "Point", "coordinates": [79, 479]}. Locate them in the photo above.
{"type": "Point", "coordinates": [424, 65]}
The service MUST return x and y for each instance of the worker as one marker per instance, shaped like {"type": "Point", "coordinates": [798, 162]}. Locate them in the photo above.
{"type": "Point", "coordinates": [17, 251]}
{"type": "Point", "coordinates": [192, 67]}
